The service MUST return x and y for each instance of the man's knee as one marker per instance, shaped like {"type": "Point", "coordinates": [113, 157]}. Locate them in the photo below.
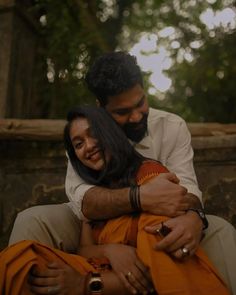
{"type": "Point", "coordinates": [28, 224]}
{"type": "Point", "coordinates": [32, 218]}
{"type": "Point", "coordinates": [218, 224]}
{"type": "Point", "coordinates": [53, 225]}
{"type": "Point", "coordinates": [29, 216]}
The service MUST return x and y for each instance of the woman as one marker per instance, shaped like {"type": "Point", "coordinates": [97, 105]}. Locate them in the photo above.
{"type": "Point", "coordinates": [55, 272]}
{"type": "Point", "coordinates": [51, 272]}
{"type": "Point", "coordinates": [101, 154]}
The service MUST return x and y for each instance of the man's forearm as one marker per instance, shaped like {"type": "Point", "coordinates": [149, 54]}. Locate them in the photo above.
{"type": "Point", "coordinates": [102, 203]}
{"type": "Point", "coordinates": [194, 201]}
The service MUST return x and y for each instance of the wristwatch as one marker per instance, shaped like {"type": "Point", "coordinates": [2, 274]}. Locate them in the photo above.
{"type": "Point", "coordinates": [95, 284]}
{"type": "Point", "coordinates": [202, 215]}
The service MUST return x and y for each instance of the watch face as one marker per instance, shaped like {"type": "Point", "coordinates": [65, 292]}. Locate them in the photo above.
{"type": "Point", "coordinates": [96, 285]}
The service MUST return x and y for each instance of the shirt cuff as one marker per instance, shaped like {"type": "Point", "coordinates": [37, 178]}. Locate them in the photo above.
{"type": "Point", "coordinates": [76, 201]}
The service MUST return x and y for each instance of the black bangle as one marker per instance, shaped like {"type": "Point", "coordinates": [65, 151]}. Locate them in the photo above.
{"type": "Point", "coordinates": [134, 198]}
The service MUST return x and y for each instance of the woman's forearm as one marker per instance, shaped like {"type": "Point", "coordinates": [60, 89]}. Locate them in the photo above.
{"type": "Point", "coordinates": [91, 251]}
{"type": "Point", "coordinates": [111, 285]}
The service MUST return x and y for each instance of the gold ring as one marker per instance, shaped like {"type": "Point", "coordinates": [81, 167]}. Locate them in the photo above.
{"type": "Point", "coordinates": [157, 230]}
{"type": "Point", "coordinates": [185, 251]}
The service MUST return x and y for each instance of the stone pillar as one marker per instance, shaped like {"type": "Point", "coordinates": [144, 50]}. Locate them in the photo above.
{"type": "Point", "coordinates": [18, 38]}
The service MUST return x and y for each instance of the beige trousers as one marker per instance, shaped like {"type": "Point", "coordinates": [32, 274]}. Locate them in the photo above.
{"type": "Point", "coordinates": [57, 226]}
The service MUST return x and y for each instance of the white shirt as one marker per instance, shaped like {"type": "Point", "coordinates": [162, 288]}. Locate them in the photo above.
{"type": "Point", "coordinates": [168, 140]}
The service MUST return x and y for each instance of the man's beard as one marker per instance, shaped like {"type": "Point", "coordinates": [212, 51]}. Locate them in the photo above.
{"type": "Point", "coordinates": [136, 131]}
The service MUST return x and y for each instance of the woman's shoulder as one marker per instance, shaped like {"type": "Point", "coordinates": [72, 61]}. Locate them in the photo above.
{"type": "Point", "coordinates": [149, 169]}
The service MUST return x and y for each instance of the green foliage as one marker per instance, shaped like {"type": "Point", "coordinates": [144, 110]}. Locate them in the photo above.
{"type": "Point", "coordinates": [204, 88]}
{"type": "Point", "coordinates": [77, 31]}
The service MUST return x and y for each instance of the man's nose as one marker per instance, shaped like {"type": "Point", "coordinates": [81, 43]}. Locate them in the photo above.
{"type": "Point", "coordinates": [135, 116]}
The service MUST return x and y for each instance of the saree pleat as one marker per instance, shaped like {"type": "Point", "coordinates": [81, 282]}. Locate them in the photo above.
{"type": "Point", "coordinates": [17, 260]}
{"type": "Point", "coordinates": [193, 276]}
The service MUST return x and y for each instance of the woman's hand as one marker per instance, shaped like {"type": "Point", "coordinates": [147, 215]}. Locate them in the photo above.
{"type": "Point", "coordinates": [57, 278]}
{"type": "Point", "coordinates": [129, 268]}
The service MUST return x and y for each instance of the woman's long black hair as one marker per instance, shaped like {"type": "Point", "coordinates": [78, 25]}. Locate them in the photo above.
{"type": "Point", "coordinates": [124, 162]}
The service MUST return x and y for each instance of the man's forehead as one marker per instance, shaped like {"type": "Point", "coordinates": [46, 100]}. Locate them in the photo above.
{"type": "Point", "coordinates": [126, 100]}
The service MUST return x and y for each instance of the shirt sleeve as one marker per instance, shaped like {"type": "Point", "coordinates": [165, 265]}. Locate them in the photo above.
{"type": "Point", "coordinates": [180, 160]}
{"type": "Point", "coordinates": [75, 190]}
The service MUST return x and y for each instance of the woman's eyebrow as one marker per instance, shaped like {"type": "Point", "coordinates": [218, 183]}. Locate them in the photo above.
{"type": "Point", "coordinates": [76, 137]}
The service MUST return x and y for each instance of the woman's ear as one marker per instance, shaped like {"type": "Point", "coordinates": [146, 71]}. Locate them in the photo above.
{"type": "Point", "coordinates": [98, 103]}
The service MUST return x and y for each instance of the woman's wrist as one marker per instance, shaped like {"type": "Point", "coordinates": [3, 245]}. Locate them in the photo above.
{"type": "Point", "coordinates": [93, 284]}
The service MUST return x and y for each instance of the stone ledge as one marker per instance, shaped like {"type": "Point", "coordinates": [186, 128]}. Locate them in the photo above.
{"type": "Point", "coordinates": [39, 129]}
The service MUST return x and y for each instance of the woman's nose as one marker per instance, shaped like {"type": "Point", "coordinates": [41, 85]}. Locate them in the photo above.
{"type": "Point", "coordinates": [90, 143]}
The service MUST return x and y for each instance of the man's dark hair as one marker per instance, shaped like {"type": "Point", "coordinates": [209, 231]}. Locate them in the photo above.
{"type": "Point", "coordinates": [124, 159]}
{"type": "Point", "coordinates": [112, 74]}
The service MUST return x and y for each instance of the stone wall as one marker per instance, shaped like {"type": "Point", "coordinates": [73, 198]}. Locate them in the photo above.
{"type": "Point", "coordinates": [33, 167]}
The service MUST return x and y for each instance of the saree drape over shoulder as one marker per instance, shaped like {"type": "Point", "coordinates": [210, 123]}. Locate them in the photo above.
{"type": "Point", "coordinates": [193, 276]}
{"type": "Point", "coordinates": [17, 260]}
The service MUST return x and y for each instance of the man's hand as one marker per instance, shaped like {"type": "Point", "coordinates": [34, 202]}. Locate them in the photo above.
{"type": "Point", "coordinates": [162, 195]}
{"type": "Point", "coordinates": [124, 261]}
{"type": "Point", "coordinates": [186, 232]}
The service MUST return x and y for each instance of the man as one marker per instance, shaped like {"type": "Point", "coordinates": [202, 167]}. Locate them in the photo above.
{"type": "Point", "coordinates": [116, 81]}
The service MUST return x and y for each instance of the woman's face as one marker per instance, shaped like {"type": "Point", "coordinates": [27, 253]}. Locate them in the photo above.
{"type": "Point", "coordinates": [85, 145]}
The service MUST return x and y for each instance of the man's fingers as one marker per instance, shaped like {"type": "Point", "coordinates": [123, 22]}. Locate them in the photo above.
{"type": "Point", "coordinates": [170, 176]}
{"type": "Point", "coordinates": [167, 241]}
{"type": "Point", "coordinates": [181, 253]}
{"type": "Point", "coordinates": [176, 245]}
{"type": "Point", "coordinates": [153, 229]}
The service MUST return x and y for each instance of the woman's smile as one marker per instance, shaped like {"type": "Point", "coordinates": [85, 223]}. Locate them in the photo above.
{"type": "Point", "coordinates": [85, 145]}
{"type": "Point", "coordinates": [94, 156]}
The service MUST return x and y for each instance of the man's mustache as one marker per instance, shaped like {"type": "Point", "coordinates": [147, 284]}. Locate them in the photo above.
{"type": "Point", "coordinates": [136, 131]}
{"type": "Point", "coordinates": [132, 126]}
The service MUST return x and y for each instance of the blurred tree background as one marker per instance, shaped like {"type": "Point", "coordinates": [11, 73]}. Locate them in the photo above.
{"type": "Point", "coordinates": [198, 38]}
